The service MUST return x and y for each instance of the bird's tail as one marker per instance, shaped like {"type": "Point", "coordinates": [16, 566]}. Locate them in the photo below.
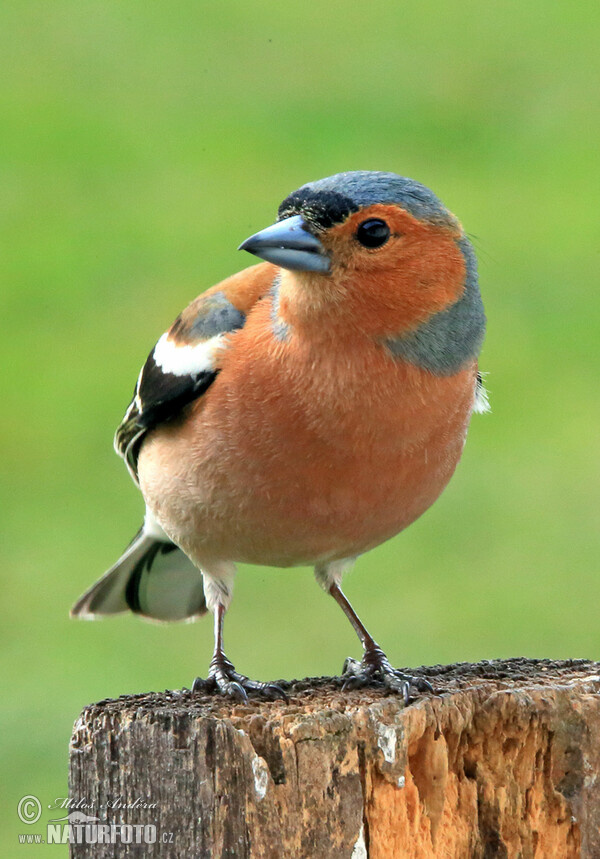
{"type": "Point", "coordinates": [153, 578]}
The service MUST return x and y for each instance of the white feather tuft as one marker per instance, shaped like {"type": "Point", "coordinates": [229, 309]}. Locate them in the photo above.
{"type": "Point", "coordinates": [153, 529]}
{"type": "Point", "coordinates": [482, 402]}
{"type": "Point", "coordinates": [218, 584]}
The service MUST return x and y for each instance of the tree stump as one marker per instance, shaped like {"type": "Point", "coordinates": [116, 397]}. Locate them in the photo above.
{"type": "Point", "coordinates": [503, 761]}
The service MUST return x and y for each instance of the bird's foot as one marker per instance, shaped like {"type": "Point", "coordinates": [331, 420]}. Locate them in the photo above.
{"type": "Point", "coordinates": [375, 666]}
{"type": "Point", "coordinates": [224, 679]}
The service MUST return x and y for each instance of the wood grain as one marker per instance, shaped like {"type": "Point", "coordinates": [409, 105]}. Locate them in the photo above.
{"type": "Point", "coordinates": [501, 761]}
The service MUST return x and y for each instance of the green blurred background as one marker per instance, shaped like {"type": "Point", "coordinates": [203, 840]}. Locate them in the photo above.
{"type": "Point", "coordinates": [141, 142]}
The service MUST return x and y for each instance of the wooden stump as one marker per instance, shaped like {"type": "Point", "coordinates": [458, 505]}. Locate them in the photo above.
{"type": "Point", "coordinates": [503, 761]}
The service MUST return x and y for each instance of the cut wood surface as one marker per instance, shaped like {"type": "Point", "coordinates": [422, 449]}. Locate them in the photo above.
{"type": "Point", "coordinates": [503, 760]}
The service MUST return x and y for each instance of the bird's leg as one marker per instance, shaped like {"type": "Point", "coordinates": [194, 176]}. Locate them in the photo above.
{"type": "Point", "coordinates": [374, 664]}
{"type": "Point", "coordinates": [221, 671]}
{"type": "Point", "coordinates": [222, 676]}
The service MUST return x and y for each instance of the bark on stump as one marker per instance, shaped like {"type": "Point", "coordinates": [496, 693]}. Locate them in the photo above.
{"type": "Point", "coordinates": [502, 761]}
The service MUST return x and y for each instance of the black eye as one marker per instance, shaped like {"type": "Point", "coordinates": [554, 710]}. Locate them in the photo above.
{"type": "Point", "coordinates": [373, 233]}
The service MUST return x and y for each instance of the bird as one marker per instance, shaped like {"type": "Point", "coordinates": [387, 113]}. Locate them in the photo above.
{"type": "Point", "coordinates": [303, 411]}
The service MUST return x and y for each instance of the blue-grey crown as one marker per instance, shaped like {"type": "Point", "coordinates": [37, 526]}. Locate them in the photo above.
{"type": "Point", "coordinates": [330, 201]}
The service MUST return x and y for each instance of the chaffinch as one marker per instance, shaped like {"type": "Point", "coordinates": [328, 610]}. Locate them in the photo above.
{"type": "Point", "coordinates": [304, 410]}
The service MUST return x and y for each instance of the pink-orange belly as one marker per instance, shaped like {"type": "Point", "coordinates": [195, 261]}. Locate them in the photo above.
{"type": "Point", "coordinates": [287, 462]}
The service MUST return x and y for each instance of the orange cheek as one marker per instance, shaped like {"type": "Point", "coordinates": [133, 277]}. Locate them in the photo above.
{"type": "Point", "coordinates": [396, 290]}
{"type": "Point", "coordinates": [428, 278]}
{"type": "Point", "coordinates": [417, 273]}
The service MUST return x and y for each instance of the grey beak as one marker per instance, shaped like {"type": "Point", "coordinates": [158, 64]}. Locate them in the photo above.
{"type": "Point", "coordinates": [289, 245]}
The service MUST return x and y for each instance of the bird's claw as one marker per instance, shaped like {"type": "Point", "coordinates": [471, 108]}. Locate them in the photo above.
{"type": "Point", "coordinates": [224, 679]}
{"type": "Point", "coordinates": [375, 667]}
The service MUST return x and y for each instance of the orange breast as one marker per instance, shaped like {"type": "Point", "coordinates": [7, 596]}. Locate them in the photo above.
{"type": "Point", "coordinates": [304, 452]}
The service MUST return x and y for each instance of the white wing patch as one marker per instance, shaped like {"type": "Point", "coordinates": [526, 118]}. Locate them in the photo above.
{"type": "Point", "coordinates": [186, 360]}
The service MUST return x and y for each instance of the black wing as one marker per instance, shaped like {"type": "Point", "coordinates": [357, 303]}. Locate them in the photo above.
{"type": "Point", "coordinates": [180, 368]}
{"type": "Point", "coordinates": [157, 398]}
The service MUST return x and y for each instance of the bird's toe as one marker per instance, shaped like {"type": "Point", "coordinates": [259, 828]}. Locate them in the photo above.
{"type": "Point", "coordinates": [378, 671]}
{"type": "Point", "coordinates": [225, 680]}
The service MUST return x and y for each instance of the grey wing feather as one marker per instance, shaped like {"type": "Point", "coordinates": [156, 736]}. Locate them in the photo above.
{"type": "Point", "coordinates": [153, 578]}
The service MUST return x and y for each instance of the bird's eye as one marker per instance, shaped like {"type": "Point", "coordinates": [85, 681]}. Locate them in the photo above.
{"type": "Point", "coordinates": [373, 233]}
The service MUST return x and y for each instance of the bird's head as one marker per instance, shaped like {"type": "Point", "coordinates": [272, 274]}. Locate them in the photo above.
{"type": "Point", "coordinates": [372, 250]}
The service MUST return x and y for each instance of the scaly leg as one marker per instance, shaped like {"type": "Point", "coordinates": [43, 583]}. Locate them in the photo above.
{"type": "Point", "coordinates": [374, 665]}
{"type": "Point", "coordinates": [222, 676]}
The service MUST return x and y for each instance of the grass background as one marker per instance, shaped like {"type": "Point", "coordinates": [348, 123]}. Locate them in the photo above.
{"type": "Point", "coordinates": [141, 142]}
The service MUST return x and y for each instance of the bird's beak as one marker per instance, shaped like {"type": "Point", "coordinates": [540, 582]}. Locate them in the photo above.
{"type": "Point", "coordinates": [289, 245]}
